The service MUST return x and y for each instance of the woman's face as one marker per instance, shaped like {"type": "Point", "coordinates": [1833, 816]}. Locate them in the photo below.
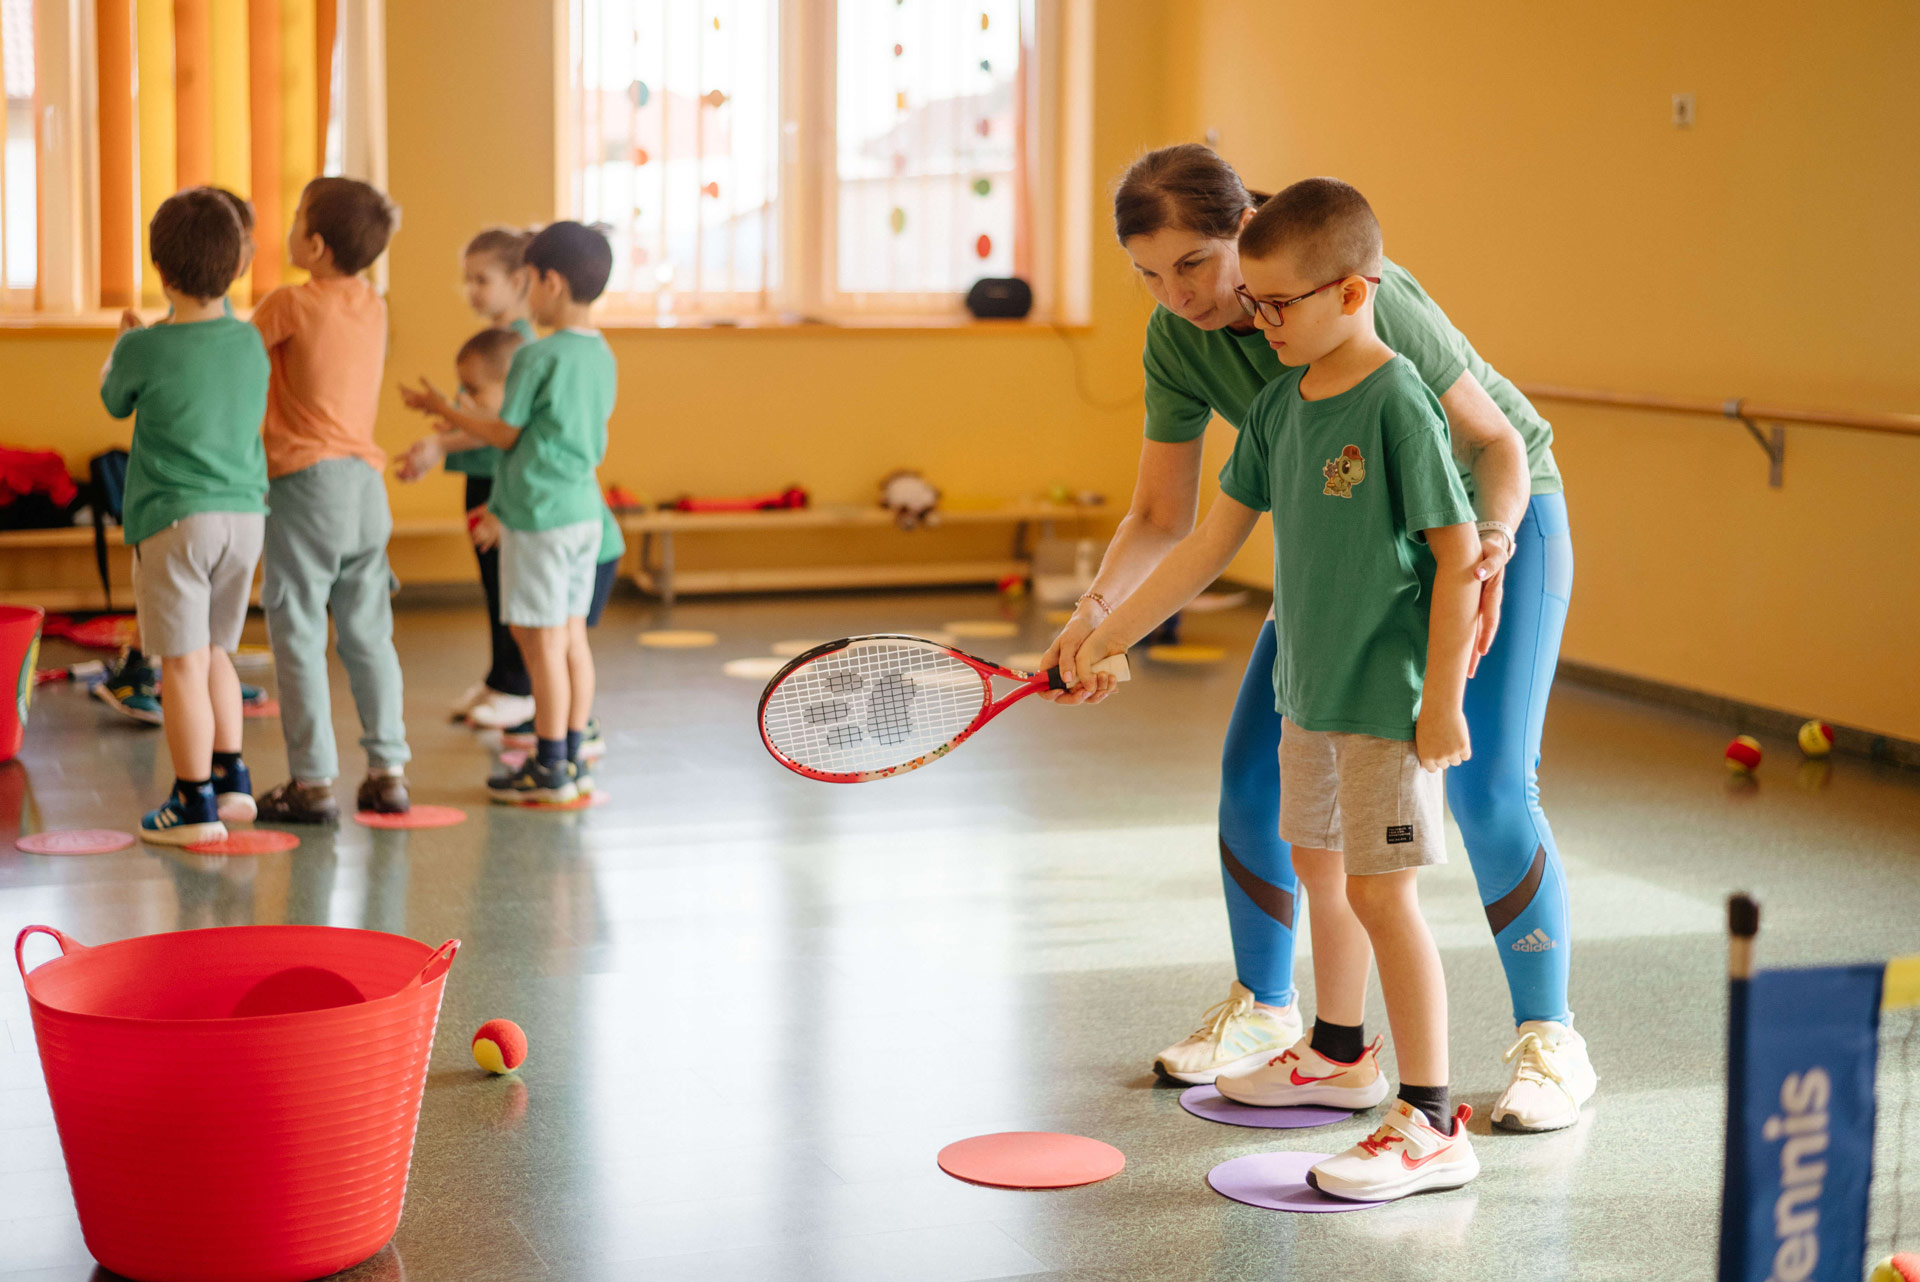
{"type": "Point", "coordinates": [1191, 275]}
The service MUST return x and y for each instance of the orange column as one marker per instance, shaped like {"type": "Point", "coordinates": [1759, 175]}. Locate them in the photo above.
{"type": "Point", "coordinates": [263, 59]}
{"type": "Point", "coordinates": [119, 215]}
{"type": "Point", "coordinates": [192, 94]}
{"type": "Point", "coordinates": [326, 29]}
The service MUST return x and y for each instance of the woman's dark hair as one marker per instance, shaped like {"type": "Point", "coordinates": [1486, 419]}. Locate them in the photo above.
{"type": "Point", "coordinates": [1186, 186]}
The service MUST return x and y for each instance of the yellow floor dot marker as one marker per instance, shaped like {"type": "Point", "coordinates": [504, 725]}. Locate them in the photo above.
{"type": "Point", "coordinates": [1186, 653]}
{"type": "Point", "coordinates": [252, 655]}
{"type": "Point", "coordinates": [791, 649]}
{"type": "Point", "coordinates": [983, 629]}
{"type": "Point", "coordinates": [671, 639]}
{"type": "Point", "coordinates": [757, 668]}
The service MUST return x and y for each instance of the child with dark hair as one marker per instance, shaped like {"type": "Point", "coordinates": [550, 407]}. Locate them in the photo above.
{"type": "Point", "coordinates": [196, 385]}
{"type": "Point", "coordinates": [326, 544]}
{"type": "Point", "coordinates": [552, 425]}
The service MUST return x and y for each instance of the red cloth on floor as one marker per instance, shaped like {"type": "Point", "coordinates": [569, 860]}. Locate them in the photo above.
{"type": "Point", "coordinates": [25, 472]}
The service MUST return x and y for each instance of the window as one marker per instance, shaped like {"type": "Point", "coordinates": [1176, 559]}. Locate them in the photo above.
{"type": "Point", "coordinates": [803, 159]}
{"type": "Point", "coordinates": [19, 242]}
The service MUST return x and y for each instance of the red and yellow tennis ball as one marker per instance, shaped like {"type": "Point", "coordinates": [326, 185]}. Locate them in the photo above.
{"type": "Point", "coordinates": [1743, 755]}
{"type": "Point", "coordinates": [1816, 738]}
{"type": "Point", "coordinates": [1904, 1267]}
{"type": "Point", "coordinates": [500, 1046]}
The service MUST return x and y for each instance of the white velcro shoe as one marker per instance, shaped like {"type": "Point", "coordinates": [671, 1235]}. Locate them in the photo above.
{"type": "Point", "coordinates": [1301, 1076]}
{"type": "Point", "coordinates": [466, 702]}
{"type": "Point", "coordinates": [1552, 1078]}
{"type": "Point", "coordinates": [1234, 1035]}
{"type": "Point", "coordinates": [498, 711]}
{"type": "Point", "coordinates": [1404, 1155]}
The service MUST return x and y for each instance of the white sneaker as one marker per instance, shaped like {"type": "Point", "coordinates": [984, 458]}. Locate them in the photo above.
{"type": "Point", "coordinates": [1301, 1075]}
{"type": "Point", "coordinates": [498, 711]}
{"type": "Point", "coordinates": [1234, 1035]}
{"type": "Point", "coordinates": [466, 702]}
{"type": "Point", "coordinates": [1405, 1155]}
{"type": "Point", "coordinates": [1552, 1078]}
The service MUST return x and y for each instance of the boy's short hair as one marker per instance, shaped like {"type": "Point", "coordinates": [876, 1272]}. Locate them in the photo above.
{"type": "Point", "coordinates": [494, 348]}
{"type": "Point", "coordinates": [353, 219]}
{"type": "Point", "coordinates": [241, 206]}
{"type": "Point", "coordinates": [578, 252]}
{"type": "Point", "coordinates": [195, 242]}
{"type": "Point", "coordinates": [505, 245]}
{"type": "Point", "coordinates": [1326, 224]}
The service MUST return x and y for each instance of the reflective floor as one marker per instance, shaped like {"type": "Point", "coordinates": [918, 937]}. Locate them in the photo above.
{"type": "Point", "coordinates": [758, 1006]}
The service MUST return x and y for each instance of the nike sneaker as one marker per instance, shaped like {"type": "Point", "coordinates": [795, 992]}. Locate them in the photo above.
{"type": "Point", "coordinates": [1301, 1075]}
{"type": "Point", "coordinates": [1404, 1155]}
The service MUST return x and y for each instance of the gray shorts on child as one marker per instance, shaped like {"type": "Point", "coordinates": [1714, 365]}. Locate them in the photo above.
{"type": "Point", "coordinates": [191, 582]}
{"type": "Point", "coordinates": [1366, 797]}
{"type": "Point", "coordinates": [546, 576]}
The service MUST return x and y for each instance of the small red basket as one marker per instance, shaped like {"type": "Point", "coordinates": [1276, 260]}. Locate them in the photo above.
{"type": "Point", "coordinates": [208, 1146]}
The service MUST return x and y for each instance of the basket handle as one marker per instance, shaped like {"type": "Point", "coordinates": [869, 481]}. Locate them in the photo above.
{"type": "Point", "coordinates": [20, 945]}
{"type": "Point", "coordinates": [438, 964]}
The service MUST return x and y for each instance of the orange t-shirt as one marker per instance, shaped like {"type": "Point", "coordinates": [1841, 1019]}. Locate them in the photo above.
{"type": "Point", "coordinates": [327, 341]}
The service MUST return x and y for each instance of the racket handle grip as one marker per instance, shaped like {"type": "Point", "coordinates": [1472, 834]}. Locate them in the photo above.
{"type": "Point", "coordinates": [1116, 664]}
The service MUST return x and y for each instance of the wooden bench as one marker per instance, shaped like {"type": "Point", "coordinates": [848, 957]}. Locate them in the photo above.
{"type": "Point", "coordinates": [655, 571]}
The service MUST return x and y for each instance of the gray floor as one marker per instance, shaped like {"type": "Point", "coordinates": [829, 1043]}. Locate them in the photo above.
{"type": "Point", "coordinates": [758, 1006]}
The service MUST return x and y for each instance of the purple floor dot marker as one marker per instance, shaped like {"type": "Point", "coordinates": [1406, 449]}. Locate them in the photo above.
{"type": "Point", "coordinates": [1278, 1182]}
{"type": "Point", "coordinates": [1208, 1102]}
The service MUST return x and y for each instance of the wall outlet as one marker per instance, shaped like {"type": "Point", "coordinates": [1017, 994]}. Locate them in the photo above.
{"type": "Point", "coordinates": [1683, 111]}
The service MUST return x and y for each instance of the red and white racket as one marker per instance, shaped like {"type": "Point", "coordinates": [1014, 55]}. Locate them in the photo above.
{"type": "Point", "coordinates": [864, 708]}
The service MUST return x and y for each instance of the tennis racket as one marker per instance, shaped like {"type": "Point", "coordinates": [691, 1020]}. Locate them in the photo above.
{"type": "Point", "coordinates": [865, 708]}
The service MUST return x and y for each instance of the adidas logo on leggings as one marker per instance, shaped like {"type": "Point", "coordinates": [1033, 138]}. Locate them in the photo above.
{"type": "Point", "coordinates": [1538, 942]}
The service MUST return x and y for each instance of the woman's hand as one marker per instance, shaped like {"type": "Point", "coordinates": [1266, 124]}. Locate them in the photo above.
{"type": "Point", "coordinates": [1065, 651]}
{"type": "Point", "coordinates": [1491, 571]}
{"type": "Point", "coordinates": [1100, 645]}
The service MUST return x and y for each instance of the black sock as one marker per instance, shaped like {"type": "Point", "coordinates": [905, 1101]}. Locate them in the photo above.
{"type": "Point", "coordinates": [187, 789]}
{"type": "Point", "coordinates": [573, 744]}
{"type": "Point", "coordinates": [551, 752]}
{"type": "Point", "coordinates": [1434, 1101]}
{"type": "Point", "coordinates": [1341, 1043]}
{"type": "Point", "coordinates": [224, 762]}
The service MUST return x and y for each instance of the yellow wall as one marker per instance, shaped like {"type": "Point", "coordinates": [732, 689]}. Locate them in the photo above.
{"type": "Point", "coordinates": [1523, 163]}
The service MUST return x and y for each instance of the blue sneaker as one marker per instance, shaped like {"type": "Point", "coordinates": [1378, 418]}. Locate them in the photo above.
{"type": "Point", "coordinates": [252, 696]}
{"type": "Point", "coordinates": [131, 689]}
{"type": "Point", "coordinates": [233, 794]}
{"type": "Point", "coordinates": [184, 820]}
{"type": "Point", "coordinates": [534, 783]}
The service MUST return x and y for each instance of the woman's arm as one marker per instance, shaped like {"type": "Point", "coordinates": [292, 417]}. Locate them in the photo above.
{"type": "Point", "coordinates": [1166, 499]}
{"type": "Point", "coordinates": [1487, 445]}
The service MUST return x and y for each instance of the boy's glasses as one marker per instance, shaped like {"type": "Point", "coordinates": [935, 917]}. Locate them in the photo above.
{"type": "Point", "coordinates": [1269, 310]}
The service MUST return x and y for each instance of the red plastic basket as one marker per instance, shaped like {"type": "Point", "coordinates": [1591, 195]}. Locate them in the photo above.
{"type": "Point", "coordinates": [208, 1147]}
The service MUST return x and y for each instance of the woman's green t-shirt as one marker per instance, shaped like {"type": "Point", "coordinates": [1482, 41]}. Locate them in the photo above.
{"type": "Point", "coordinates": [1194, 373]}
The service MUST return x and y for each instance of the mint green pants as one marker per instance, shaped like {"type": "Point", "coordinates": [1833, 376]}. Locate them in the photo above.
{"type": "Point", "coordinates": [326, 551]}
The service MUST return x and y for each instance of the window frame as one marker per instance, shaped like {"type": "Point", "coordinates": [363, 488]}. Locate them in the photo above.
{"type": "Point", "coordinates": [1056, 185]}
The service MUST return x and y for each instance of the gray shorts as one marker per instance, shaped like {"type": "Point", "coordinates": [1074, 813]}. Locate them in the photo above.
{"type": "Point", "coordinates": [1365, 797]}
{"type": "Point", "coordinates": [191, 582]}
{"type": "Point", "coordinates": [546, 576]}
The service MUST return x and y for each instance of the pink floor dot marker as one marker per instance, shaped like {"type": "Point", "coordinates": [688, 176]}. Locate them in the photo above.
{"type": "Point", "coordinates": [257, 711]}
{"type": "Point", "coordinates": [418, 817]}
{"type": "Point", "coordinates": [248, 841]}
{"type": "Point", "coordinates": [513, 758]}
{"type": "Point", "coordinates": [1278, 1182]}
{"type": "Point", "coordinates": [1031, 1160]}
{"type": "Point", "coordinates": [1208, 1102]}
{"type": "Point", "coordinates": [74, 841]}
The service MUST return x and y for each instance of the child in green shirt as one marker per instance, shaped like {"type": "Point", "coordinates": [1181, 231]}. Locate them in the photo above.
{"type": "Point", "coordinates": [552, 426]}
{"type": "Point", "coordinates": [195, 510]}
{"type": "Point", "coordinates": [1374, 602]}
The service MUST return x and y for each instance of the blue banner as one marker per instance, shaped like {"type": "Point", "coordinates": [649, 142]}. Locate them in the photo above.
{"type": "Point", "coordinates": [1801, 1054]}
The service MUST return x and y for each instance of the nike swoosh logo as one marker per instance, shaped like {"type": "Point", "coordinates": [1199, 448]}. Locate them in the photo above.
{"type": "Point", "coordinates": [1413, 1163]}
{"type": "Point", "coordinates": [1308, 1081]}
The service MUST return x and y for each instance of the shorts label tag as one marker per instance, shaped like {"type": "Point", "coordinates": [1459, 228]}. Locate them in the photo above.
{"type": "Point", "coordinates": [1399, 834]}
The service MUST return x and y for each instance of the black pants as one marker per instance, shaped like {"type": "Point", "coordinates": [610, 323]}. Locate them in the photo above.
{"type": "Point", "coordinates": [508, 674]}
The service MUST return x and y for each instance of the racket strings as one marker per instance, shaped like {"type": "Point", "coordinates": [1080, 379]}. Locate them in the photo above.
{"type": "Point", "coordinates": [872, 706]}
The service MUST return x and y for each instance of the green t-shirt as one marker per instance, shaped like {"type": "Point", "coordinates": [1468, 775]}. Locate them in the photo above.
{"type": "Point", "coordinates": [1351, 481]}
{"type": "Point", "coordinates": [484, 460]}
{"type": "Point", "coordinates": [560, 393]}
{"type": "Point", "coordinates": [612, 542]}
{"type": "Point", "coordinates": [198, 392]}
{"type": "Point", "coordinates": [1193, 373]}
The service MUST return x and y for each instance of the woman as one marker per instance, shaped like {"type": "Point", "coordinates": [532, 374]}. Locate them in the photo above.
{"type": "Point", "coordinates": [1177, 213]}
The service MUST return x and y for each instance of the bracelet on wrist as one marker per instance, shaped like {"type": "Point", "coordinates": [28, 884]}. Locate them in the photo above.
{"type": "Point", "coordinates": [1105, 609]}
{"type": "Point", "coordinates": [1501, 528]}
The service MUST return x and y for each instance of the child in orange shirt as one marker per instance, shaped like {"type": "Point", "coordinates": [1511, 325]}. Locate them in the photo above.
{"type": "Point", "coordinates": [327, 530]}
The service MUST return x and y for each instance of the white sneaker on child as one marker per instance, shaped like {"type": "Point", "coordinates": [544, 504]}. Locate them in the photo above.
{"type": "Point", "coordinates": [498, 711]}
{"type": "Point", "coordinates": [1404, 1155]}
{"type": "Point", "coordinates": [467, 702]}
{"type": "Point", "coordinates": [1552, 1078]}
{"type": "Point", "coordinates": [1301, 1076]}
{"type": "Point", "coordinates": [1233, 1035]}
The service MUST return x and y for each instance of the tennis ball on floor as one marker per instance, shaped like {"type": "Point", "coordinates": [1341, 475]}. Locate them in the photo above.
{"type": "Point", "coordinates": [500, 1046]}
{"type": "Point", "coordinates": [1904, 1267]}
{"type": "Point", "coordinates": [1816, 738]}
{"type": "Point", "coordinates": [1743, 755]}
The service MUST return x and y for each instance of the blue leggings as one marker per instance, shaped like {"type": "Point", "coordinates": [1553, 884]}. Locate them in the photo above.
{"type": "Point", "coordinates": [1495, 797]}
